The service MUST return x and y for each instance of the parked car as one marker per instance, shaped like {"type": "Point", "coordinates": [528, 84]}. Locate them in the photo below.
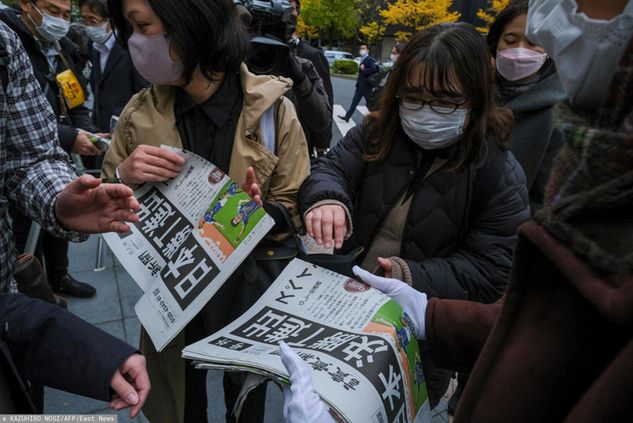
{"type": "Point", "coordinates": [332, 55]}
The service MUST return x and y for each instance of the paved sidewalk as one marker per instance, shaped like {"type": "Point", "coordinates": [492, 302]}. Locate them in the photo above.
{"type": "Point", "coordinates": [113, 311]}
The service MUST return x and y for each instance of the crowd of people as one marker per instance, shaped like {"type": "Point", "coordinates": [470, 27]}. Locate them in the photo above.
{"type": "Point", "coordinates": [488, 192]}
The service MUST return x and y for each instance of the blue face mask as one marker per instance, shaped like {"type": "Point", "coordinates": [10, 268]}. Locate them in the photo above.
{"type": "Point", "coordinates": [51, 29]}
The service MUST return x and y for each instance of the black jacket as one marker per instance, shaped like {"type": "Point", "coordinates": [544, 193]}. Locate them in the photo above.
{"type": "Point", "coordinates": [323, 138]}
{"type": "Point", "coordinates": [370, 68]}
{"type": "Point", "coordinates": [52, 347]}
{"type": "Point", "coordinates": [79, 117]}
{"type": "Point", "coordinates": [113, 87]}
{"type": "Point", "coordinates": [461, 228]}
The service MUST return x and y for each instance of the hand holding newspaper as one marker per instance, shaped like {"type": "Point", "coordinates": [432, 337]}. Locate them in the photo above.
{"type": "Point", "coordinates": [358, 343]}
{"type": "Point", "coordinates": [194, 231]}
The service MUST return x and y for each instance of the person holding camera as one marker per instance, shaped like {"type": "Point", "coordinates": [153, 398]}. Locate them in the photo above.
{"type": "Point", "coordinates": [274, 51]}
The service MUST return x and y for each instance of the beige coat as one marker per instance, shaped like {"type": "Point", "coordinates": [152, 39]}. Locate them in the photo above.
{"type": "Point", "coordinates": [149, 119]}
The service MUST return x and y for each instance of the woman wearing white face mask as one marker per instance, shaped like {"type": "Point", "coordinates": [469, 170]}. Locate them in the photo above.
{"type": "Point", "coordinates": [529, 86]}
{"type": "Point", "coordinates": [113, 79]}
{"type": "Point", "coordinates": [425, 184]}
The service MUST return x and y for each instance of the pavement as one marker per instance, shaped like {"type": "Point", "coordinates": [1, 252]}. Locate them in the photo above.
{"type": "Point", "coordinates": [112, 309]}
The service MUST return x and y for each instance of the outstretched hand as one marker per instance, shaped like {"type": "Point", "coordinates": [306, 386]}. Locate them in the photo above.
{"type": "Point", "coordinates": [86, 205]}
{"type": "Point", "coordinates": [413, 302]}
{"type": "Point", "coordinates": [251, 187]}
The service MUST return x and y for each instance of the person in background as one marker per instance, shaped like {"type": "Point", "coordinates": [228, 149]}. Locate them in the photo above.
{"type": "Point", "coordinates": [559, 347]}
{"type": "Point", "coordinates": [529, 85]}
{"type": "Point", "coordinates": [374, 98]}
{"type": "Point", "coordinates": [426, 183]}
{"type": "Point", "coordinates": [366, 68]}
{"type": "Point", "coordinates": [113, 80]}
{"type": "Point", "coordinates": [203, 99]}
{"type": "Point", "coordinates": [42, 26]}
{"type": "Point", "coordinates": [319, 141]}
{"type": "Point", "coordinates": [41, 344]}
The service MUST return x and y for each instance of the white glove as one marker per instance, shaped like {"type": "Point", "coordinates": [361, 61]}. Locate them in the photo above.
{"type": "Point", "coordinates": [301, 403]}
{"type": "Point", "coordinates": [413, 302]}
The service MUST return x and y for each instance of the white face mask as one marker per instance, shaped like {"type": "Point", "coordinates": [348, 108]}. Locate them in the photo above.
{"type": "Point", "coordinates": [363, 52]}
{"type": "Point", "coordinates": [52, 28]}
{"type": "Point", "coordinates": [432, 130]}
{"type": "Point", "coordinates": [586, 51]}
{"type": "Point", "coordinates": [394, 57]}
{"type": "Point", "coordinates": [98, 34]}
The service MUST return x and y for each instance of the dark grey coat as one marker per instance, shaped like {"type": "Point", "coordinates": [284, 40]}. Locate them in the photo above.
{"type": "Point", "coordinates": [536, 139]}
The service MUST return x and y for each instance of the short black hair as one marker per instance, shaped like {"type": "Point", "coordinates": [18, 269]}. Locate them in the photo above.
{"type": "Point", "coordinates": [98, 7]}
{"type": "Point", "coordinates": [203, 32]}
{"type": "Point", "coordinates": [507, 15]}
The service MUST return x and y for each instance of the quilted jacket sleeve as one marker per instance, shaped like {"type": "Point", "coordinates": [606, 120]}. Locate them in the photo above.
{"type": "Point", "coordinates": [337, 175]}
{"type": "Point", "coordinates": [480, 269]}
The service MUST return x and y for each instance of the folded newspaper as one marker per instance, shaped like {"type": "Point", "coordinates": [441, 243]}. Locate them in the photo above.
{"type": "Point", "coordinates": [194, 231]}
{"type": "Point", "coordinates": [358, 343]}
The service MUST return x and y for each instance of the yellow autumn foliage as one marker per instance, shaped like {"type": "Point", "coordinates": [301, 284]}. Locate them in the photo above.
{"type": "Point", "coordinates": [415, 15]}
{"type": "Point", "coordinates": [373, 31]}
{"type": "Point", "coordinates": [489, 15]}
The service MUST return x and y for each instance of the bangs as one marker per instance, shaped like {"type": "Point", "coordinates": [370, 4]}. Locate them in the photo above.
{"type": "Point", "coordinates": [435, 72]}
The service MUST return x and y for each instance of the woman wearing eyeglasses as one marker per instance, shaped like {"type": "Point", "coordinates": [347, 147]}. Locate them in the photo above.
{"type": "Point", "coordinates": [426, 184]}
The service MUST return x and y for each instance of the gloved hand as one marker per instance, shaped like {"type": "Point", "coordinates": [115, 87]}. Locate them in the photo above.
{"type": "Point", "coordinates": [413, 302]}
{"type": "Point", "coordinates": [301, 403]}
{"type": "Point", "coordinates": [295, 70]}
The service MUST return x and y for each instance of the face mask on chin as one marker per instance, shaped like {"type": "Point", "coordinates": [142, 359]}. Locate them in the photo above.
{"type": "Point", "coordinates": [586, 51]}
{"type": "Point", "coordinates": [152, 59]}
{"type": "Point", "coordinates": [51, 29]}
{"type": "Point", "coordinates": [432, 130]}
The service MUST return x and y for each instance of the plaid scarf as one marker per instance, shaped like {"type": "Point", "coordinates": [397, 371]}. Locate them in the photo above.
{"type": "Point", "coordinates": [589, 198]}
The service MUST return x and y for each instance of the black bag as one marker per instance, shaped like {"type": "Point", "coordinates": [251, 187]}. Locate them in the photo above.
{"type": "Point", "coordinates": [268, 260]}
{"type": "Point", "coordinates": [376, 78]}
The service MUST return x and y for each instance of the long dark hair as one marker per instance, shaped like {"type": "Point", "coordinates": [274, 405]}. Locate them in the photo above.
{"type": "Point", "coordinates": [508, 14]}
{"type": "Point", "coordinates": [203, 32]}
{"type": "Point", "coordinates": [448, 51]}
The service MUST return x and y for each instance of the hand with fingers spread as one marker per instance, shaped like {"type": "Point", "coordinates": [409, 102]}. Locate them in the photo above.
{"type": "Point", "coordinates": [84, 146]}
{"type": "Point", "coordinates": [131, 385]}
{"type": "Point", "coordinates": [86, 205]}
{"type": "Point", "coordinates": [251, 187]}
{"type": "Point", "coordinates": [413, 302]}
{"type": "Point", "coordinates": [148, 163]}
{"type": "Point", "coordinates": [327, 224]}
{"type": "Point", "coordinates": [301, 403]}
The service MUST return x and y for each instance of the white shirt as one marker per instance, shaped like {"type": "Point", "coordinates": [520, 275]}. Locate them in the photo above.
{"type": "Point", "coordinates": [104, 51]}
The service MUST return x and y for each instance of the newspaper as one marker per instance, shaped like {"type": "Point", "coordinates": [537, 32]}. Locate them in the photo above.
{"type": "Point", "coordinates": [194, 231]}
{"type": "Point", "coordinates": [358, 343]}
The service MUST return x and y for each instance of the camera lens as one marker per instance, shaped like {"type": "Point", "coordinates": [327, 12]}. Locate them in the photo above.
{"type": "Point", "coordinates": [263, 59]}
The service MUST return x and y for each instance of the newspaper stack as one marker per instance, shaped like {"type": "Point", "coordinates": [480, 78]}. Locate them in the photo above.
{"type": "Point", "coordinates": [194, 231]}
{"type": "Point", "coordinates": [365, 363]}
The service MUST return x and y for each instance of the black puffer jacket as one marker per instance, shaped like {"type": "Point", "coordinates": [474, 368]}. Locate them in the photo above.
{"type": "Point", "coordinates": [461, 227]}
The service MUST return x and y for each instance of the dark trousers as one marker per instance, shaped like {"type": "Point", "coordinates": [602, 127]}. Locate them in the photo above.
{"type": "Point", "coordinates": [358, 94]}
{"type": "Point", "coordinates": [51, 251]}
